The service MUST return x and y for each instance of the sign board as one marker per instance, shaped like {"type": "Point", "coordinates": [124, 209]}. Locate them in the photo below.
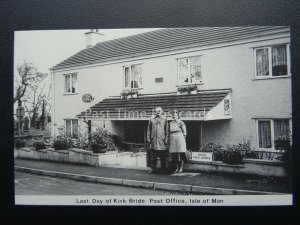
{"type": "Point", "coordinates": [226, 107]}
{"type": "Point", "coordinates": [86, 98]}
{"type": "Point", "coordinates": [202, 156]}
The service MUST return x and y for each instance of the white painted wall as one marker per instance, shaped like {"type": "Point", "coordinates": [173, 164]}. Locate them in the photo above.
{"type": "Point", "coordinates": [222, 67]}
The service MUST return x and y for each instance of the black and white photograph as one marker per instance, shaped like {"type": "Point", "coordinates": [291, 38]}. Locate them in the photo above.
{"type": "Point", "coordinates": [179, 116]}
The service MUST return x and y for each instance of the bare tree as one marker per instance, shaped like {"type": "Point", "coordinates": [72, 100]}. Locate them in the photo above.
{"type": "Point", "coordinates": [38, 93]}
{"type": "Point", "coordinates": [32, 87]}
{"type": "Point", "coordinates": [23, 78]}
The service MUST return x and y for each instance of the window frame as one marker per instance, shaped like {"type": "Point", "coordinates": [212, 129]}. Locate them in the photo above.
{"type": "Point", "coordinates": [130, 76]}
{"type": "Point", "coordinates": [288, 61]}
{"type": "Point", "coordinates": [65, 122]}
{"type": "Point", "coordinates": [71, 82]}
{"type": "Point", "coordinates": [189, 69]}
{"type": "Point", "coordinates": [272, 149]}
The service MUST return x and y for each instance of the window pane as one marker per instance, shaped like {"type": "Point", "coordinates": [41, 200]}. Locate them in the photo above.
{"type": "Point", "coordinates": [281, 129]}
{"type": "Point", "coordinates": [195, 69]}
{"type": "Point", "coordinates": [74, 83]}
{"type": "Point", "coordinates": [136, 71]}
{"type": "Point", "coordinates": [75, 128]}
{"type": "Point", "coordinates": [279, 60]}
{"type": "Point", "coordinates": [262, 62]}
{"type": "Point", "coordinates": [67, 83]}
{"type": "Point", "coordinates": [68, 127]}
{"type": "Point", "coordinates": [183, 70]}
{"type": "Point", "coordinates": [264, 134]}
{"type": "Point", "coordinates": [127, 77]}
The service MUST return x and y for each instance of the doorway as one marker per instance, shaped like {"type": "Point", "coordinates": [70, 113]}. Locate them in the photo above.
{"type": "Point", "coordinates": [193, 138]}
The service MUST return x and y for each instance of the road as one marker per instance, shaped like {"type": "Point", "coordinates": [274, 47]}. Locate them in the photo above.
{"type": "Point", "coordinates": [30, 184]}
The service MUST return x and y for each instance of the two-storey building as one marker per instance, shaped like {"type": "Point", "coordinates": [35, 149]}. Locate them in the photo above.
{"type": "Point", "coordinates": [242, 77]}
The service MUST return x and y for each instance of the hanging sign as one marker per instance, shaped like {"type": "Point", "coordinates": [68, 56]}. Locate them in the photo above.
{"type": "Point", "coordinates": [226, 107]}
{"type": "Point", "coordinates": [86, 98]}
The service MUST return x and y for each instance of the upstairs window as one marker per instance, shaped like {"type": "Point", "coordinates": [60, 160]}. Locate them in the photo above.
{"type": "Point", "coordinates": [71, 83]}
{"type": "Point", "coordinates": [272, 61]}
{"type": "Point", "coordinates": [133, 76]}
{"type": "Point", "coordinates": [189, 70]}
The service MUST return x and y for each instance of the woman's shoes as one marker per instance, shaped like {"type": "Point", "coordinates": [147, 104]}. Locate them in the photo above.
{"type": "Point", "coordinates": [180, 167]}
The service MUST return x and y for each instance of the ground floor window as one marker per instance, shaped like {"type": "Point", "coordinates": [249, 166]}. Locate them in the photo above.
{"type": "Point", "coordinates": [270, 130]}
{"type": "Point", "coordinates": [71, 128]}
{"type": "Point", "coordinates": [135, 131]}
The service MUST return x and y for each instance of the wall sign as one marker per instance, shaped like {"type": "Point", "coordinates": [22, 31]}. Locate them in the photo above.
{"type": "Point", "coordinates": [226, 107]}
{"type": "Point", "coordinates": [86, 98]}
{"type": "Point", "coordinates": [202, 156]}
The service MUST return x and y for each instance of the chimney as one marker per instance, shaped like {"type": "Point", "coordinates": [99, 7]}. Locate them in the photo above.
{"type": "Point", "coordinates": [92, 37]}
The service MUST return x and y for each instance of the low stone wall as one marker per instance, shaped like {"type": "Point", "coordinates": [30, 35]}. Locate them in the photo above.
{"type": "Point", "coordinates": [79, 156]}
{"type": "Point", "coordinates": [270, 168]}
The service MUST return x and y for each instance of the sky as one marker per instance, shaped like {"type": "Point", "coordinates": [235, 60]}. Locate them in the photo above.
{"type": "Point", "coordinates": [46, 48]}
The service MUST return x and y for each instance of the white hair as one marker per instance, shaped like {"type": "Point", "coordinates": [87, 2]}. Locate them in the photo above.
{"type": "Point", "coordinates": [158, 109]}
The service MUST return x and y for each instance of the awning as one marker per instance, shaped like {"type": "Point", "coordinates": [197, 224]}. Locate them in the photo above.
{"type": "Point", "coordinates": [205, 105]}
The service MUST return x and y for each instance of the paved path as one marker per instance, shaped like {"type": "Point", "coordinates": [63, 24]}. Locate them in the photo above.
{"type": "Point", "coordinates": [31, 184]}
{"type": "Point", "coordinates": [195, 179]}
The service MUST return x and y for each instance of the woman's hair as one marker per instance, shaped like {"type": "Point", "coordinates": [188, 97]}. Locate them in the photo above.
{"type": "Point", "coordinates": [176, 112]}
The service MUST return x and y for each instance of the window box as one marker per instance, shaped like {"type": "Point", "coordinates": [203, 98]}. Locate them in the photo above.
{"type": "Point", "coordinates": [129, 93]}
{"type": "Point", "coordinates": [187, 89]}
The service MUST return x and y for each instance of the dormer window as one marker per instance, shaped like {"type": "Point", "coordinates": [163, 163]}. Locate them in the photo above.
{"type": "Point", "coordinates": [71, 83]}
{"type": "Point", "coordinates": [133, 76]}
{"type": "Point", "coordinates": [189, 70]}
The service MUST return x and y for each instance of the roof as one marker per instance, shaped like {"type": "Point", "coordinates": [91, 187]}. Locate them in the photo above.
{"type": "Point", "coordinates": [161, 40]}
{"type": "Point", "coordinates": [142, 107]}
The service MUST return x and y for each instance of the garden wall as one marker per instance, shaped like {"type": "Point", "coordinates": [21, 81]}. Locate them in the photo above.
{"type": "Point", "coordinates": [138, 161]}
{"type": "Point", "coordinates": [78, 156]}
{"type": "Point", "coordinates": [259, 167]}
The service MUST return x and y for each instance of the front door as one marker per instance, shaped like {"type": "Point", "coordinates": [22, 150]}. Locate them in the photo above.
{"type": "Point", "coordinates": [193, 139]}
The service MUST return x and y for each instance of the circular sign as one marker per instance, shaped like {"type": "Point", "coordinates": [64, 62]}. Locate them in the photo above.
{"type": "Point", "coordinates": [87, 98]}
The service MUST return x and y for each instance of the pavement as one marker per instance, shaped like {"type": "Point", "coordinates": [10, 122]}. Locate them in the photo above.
{"type": "Point", "coordinates": [188, 183]}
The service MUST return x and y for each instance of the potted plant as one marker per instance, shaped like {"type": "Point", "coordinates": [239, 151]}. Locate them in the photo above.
{"type": "Point", "coordinates": [187, 88]}
{"type": "Point", "coordinates": [132, 93]}
{"type": "Point", "coordinates": [100, 140]}
{"type": "Point", "coordinates": [124, 94]}
{"type": "Point", "coordinates": [192, 89]}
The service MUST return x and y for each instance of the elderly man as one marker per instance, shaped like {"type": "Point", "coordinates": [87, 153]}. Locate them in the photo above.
{"type": "Point", "coordinates": [157, 137]}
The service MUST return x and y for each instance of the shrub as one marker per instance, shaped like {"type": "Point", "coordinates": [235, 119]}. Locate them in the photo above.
{"type": "Point", "coordinates": [230, 154]}
{"type": "Point", "coordinates": [233, 154]}
{"type": "Point", "coordinates": [216, 149]}
{"type": "Point", "coordinates": [20, 143]}
{"type": "Point", "coordinates": [100, 139]}
{"type": "Point", "coordinates": [62, 143]}
{"type": "Point", "coordinates": [39, 145]}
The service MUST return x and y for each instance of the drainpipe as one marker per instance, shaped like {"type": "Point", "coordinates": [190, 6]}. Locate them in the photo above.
{"type": "Point", "coordinates": [53, 103]}
{"type": "Point", "coordinates": [201, 134]}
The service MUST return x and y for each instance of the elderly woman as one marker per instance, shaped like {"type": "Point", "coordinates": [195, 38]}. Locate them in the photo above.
{"type": "Point", "coordinates": [177, 147]}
